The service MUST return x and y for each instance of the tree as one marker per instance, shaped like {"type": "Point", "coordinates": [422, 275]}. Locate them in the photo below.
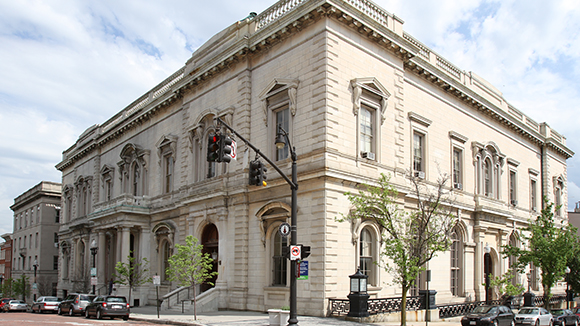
{"type": "Point", "coordinates": [8, 288]}
{"type": "Point", "coordinates": [550, 246]}
{"type": "Point", "coordinates": [21, 286]}
{"type": "Point", "coordinates": [190, 267]}
{"type": "Point", "coordinates": [410, 238]}
{"type": "Point", "coordinates": [133, 273]}
{"type": "Point", "coordinates": [503, 285]}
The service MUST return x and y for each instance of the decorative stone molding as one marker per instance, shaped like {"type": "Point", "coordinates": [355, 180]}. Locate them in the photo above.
{"type": "Point", "coordinates": [276, 86]}
{"type": "Point", "coordinates": [372, 85]}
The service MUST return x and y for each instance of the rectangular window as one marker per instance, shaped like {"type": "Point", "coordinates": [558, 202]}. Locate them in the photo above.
{"type": "Point", "coordinates": [168, 173]}
{"type": "Point", "coordinates": [36, 241]}
{"type": "Point", "coordinates": [283, 119]}
{"type": "Point", "coordinates": [533, 195]}
{"type": "Point", "coordinates": [279, 261]}
{"type": "Point", "coordinates": [57, 215]}
{"type": "Point", "coordinates": [366, 130]}
{"type": "Point", "coordinates": [55, 237]}
{"type": "Point", "coordinates": [55, 263]}
{"type": "Point", "coordinates": [418, 152]}
{"type": "Point", "coordinates": [513, 183]}
{"type": "Point", "coordinates": [108, 189]}
{"type": "Point", "coordinates": [457, 169]}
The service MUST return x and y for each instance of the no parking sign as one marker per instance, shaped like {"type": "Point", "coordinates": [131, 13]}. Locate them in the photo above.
{"type": "Point", "coordinates": [295, 252]}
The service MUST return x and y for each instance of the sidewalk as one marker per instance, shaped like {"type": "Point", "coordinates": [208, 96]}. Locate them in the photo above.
{"type": "Point", "coordinates": [236, 318]}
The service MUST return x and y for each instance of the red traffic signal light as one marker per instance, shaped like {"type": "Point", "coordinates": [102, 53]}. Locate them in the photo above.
{"type": "Point", "coordinates": [213, 147]}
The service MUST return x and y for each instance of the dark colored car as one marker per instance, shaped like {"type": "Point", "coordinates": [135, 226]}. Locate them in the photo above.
{"type": "Point", "coordinates": [112, 306]}
{"type": "Point", "coordinates": [564, 317]}
{"type": "Point", "coordinates": [489, 315]}
{"type": "Point", "coordinates": [43, 304]}
{"type": "Point", "coordinates": [3, 302]}
{"type": "Point", "coordinates": [75, 303]}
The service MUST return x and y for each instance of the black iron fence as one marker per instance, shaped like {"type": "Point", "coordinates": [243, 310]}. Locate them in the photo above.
{"type": "Point", "coordinates": [460, 309]}
{"type": "Point", "coordinates": [340, 307]}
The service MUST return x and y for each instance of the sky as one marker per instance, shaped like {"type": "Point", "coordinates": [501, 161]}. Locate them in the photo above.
{"type": "Point", "coordinates": [66, 65]}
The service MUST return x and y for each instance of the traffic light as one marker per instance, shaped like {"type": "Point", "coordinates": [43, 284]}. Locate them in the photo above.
{"type": "Point", "coordinates": [225, 149]}
{"type": "Point", "coordinates": [263, 176]}
{"type": "Point", "coordinates": [254, 171]}
{"type": "Point", "coordinates": [305, 252]}
{"type": "Point", "coordinates": [213, 148]}
{"type": "Point", "coordinates": [257, 173]}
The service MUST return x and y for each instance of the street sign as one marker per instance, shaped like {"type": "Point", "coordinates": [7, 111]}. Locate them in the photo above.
{"type": "Point", "coordinates": [156, 280]}
{"type": "Point", "coordinates": [284, 229]}
{"type": "Point", "coordinates": [94, 280]}
{"type": "Point", "coordinates": [294, 252]}
{"type": "Point", "coordinates": [303, 270]}
{"type": "Point", "coordinates": [34, 286]}
{"type": "Point", "coordinates": [94, 271]}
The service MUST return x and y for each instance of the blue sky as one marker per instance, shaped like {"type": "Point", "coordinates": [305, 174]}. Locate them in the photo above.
{"type": "Point", "coordinates": [63, 64]}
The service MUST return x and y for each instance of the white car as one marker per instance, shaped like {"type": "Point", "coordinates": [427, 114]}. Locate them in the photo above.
{"type": "Point", "coordinates": [16, 305]}
{"type": "Point", "coordinates": [534, 316]}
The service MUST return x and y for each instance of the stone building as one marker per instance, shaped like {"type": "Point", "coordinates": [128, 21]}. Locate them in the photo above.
{"type": "Point", "coordinates": [35, 237]}
{"type": "Point", "coordinates": [359, 97]}
{"type": "Point", "coordinates": [6, 257]}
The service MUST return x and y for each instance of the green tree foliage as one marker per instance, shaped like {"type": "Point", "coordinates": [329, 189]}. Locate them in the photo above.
{"type": "Point", "coordinates": [549, 246]}
{"type": "Point", "coordinates": [21, 286]}
{"type": "Point", "coordinates": [134, 273]}
{"type": "Point", "coordinates": [190, 266]}
{"type": "Point", "coordinates": [8, 288]}
{"type": "Point", "coordinates": [502, 285]}
{"type": "Point", "coordinates": [410, 238]}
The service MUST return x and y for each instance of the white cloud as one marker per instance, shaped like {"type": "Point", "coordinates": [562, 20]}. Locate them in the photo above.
{"type": "Point", "coordinates": [69, 64]}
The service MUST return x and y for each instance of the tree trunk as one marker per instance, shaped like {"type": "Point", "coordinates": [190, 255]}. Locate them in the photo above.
{"type": "Point", "coordinates": [547, 296]}
{"type": "Point", "coordinates": [404, 306]}
{"type": "Point", "coordinates": [194, 304]}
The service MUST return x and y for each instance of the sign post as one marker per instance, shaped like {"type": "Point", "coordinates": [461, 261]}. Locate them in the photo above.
{"type": "Point", "coordinates": [157, 283]}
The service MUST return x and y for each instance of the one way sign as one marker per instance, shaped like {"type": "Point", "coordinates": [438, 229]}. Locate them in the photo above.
{"type": "Point", "coordinates": [295, 252]}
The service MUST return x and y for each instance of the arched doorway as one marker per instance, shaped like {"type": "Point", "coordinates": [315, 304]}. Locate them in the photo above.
{"type": "Point", "coordinates": [210, 241]}
{"type": "Point", "coordinates": [487, 272]}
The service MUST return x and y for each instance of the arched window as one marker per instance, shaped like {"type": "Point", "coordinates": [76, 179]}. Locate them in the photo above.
{"type": "Point", "coordinates": [133, 168]}
{"type": "Point", "coordinates": [456, 252]}
{"type": "Point", "coordinates": [512, 260]}
{"type": "Point", "coordinates": [367, 253]}
{"type": "Point", "coordinates": [279, 262]}
{"type": "Point", "coordinates": [489, 161]}
{"type": "Point", "coordinates": [166, 254]}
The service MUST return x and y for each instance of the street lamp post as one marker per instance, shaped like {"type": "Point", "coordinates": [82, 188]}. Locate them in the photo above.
{"type": "Point", "coordinates": [568, 287]}
{"type": "Point", "coordinates": [35, 266]}
{"type": "Point", "coordinates": [487, 250]}
{"type": "Point", "coordinates": [94, 250]}
{"type": "Point", "coordinates": [281, 141]}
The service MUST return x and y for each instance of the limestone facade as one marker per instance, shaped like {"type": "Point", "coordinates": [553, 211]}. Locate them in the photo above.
{"type": "Point", "coordinates": [359, 97]}
{"type": "Point", "coordinates": [35, 237]}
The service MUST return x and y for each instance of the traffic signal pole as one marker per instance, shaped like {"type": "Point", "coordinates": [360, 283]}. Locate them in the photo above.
{"type": "Point", "coordinates": [293, 220]}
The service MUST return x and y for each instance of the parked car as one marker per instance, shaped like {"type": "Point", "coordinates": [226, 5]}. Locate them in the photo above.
{"type": "Point", "coordinates": [3, 302]}
{"type": "Point", "coordinates": [15, 305]}
{"type": "Point", "coordinates": [564, 317]}
{"type": "Point", "coordinates": [534, 316]}
{"type": "Point", "coordinates": [43, 304]}
{"type": "Point", "coordinates": [489, 315]}
{"type": "Point", "coordinates": [75, 303]}
{"type": "Point", "coordinates": [112, 306]}
{"type": "Point", "coordinates": [576, 311]}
